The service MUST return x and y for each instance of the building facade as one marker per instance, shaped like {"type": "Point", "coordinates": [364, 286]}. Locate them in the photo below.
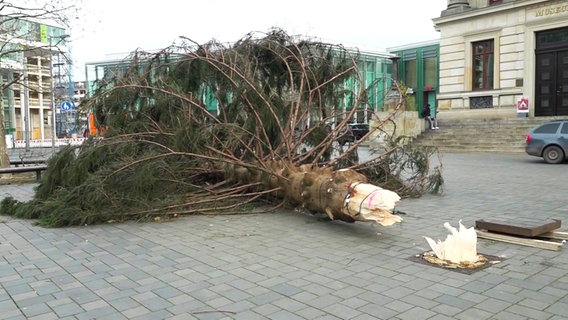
{"type": "Point", "coordinates": [497, 54]}
{"type": "Point", "coordinates": [35, 71]}
{"type": "Point", "coordinates": [418, 70]}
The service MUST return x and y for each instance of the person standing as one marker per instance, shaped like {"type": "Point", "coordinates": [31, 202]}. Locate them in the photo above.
{"type": "Point", "coordinates": [426, 114]}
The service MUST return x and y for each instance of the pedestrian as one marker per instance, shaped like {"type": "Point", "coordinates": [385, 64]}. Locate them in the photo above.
{"type": "Point", "coordinates": [427, 115]}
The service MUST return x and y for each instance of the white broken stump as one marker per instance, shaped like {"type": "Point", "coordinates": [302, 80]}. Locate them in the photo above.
{"type": "Point", "coordinates": [460, 245]}
{"type": "Point", "coordinates": [372, 203]}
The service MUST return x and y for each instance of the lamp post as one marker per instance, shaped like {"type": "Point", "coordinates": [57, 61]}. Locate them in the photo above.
{"type": "Point", "coordinates": [26, 105]}
{"type": "Point", "coordinates": [53, 134]}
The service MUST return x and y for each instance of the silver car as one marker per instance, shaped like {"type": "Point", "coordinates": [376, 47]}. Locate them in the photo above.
{"type": "Point", "coordinates": [549, 141]}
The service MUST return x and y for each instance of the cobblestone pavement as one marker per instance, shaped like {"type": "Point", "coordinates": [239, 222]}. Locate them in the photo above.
{"type": "Point", "coordinates": [290, 265]}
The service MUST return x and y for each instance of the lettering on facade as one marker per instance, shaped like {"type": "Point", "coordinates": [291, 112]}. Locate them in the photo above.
{"type": "Point", "coordinates": [551, 10]}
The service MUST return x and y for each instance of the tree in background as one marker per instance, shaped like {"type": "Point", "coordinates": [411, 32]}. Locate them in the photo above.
{"type": "Point", "coordinates": [212, 128]}
{"type": "Point", "coordinates": [15, 41]}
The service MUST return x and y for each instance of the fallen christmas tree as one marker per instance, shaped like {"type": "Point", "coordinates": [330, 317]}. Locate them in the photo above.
{"type": "Point", "coordinates": [214, 129]}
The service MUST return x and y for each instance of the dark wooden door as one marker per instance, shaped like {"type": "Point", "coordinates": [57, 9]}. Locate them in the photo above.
{"type": "Point", "coordinates": [551, 91]}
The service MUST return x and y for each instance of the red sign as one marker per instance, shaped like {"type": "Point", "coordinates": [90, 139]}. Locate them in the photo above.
{"type": "Point", "coordinates": [523, 105]}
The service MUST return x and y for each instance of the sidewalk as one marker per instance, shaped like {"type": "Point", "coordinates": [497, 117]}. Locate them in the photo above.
{"type": "Point", "coordinates": [290, 265]}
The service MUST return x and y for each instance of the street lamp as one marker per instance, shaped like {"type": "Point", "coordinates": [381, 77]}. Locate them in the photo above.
{"type": "Point", "coordinates": [26, 104]}
{"type": "Point", "coordinates": [53, 106]}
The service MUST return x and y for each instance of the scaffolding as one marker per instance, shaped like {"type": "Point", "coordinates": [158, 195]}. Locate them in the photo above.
{"type": "Point", "coordinates": [67, 113]}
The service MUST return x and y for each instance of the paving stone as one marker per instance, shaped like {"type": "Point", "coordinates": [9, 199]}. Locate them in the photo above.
{"type": "Point", "coordinates": [99, 313]}
{"type": "Point", "coordinates": [473, 297]}
{"type": "Point", "coordinates": [457, 302]}
{"type": "Point", "coordinates": [377, 311]}
{"type": "Point", "coordinates": [265, 298]}
{"type": "Point", "coordinates": [34, 300]}
{"type": "Point", "coordinates": [445, 309]}
{"type": "Point", "coordinates": [289, 304]}
{"type": "Point", "coordinates": [535, 304]}
{"type": "Point", "coordinates": [327, 317]}
{"type": "Point", "coordinates": [161, 314]}
{"type": "Point", "coordinates": [14, 315]}
{"type": "Point", "coordinates": [284, 315]}
{"type": "Point", "coordinates": [35, 309]}
{"type": "Point", "coordinates": [398, 293]}
{"type": "Point", "coordinates": [123, 303]}
{"type": "Point", "coordinates": [266, 309]}
{"type": "Point", "coordinates": [529, 312]}
{"type": "Point", "coordinates": [324, 269]}
{"type": "Point", "coordinates": [68, 309]}
{"type": "Point", "coordinates": [286, 289]}
{"type": "Point", "coordinates": [505, 315]}
{"type": "Point", "coordinates": [45, 316]}
{"type": "Point", "coordinates": [135, 312]}
{"type": "Point", "coordinates": [187, 307]}
{"type": "Point", "coordinates": [94, 305]}
{"type": "Point", "coordinates": [238, 307]}
{"type": "Point", "coordinates": [558, 308]}
{"type": "Point", "coordinates": [416, 313]}
{"type": "Point", "coordinates": [443, 317]}
{"type": "Point", "coordinates": [555, 292]}
{"type": "Point", "coordinates": [398, 305]}
{"type": "Point", "coordinates": [218, 302]}
{"type": "Point", "coordinates": [18, 288]}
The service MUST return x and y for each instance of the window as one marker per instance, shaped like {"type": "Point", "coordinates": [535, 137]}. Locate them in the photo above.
{"type": "Point", "coordinates": [480, 102]}
{"type": "Point", "coordinates": [483, 65]}
{"type": "Point", "coordinates": [410, 71]}
{"type": "Point", "coordinates": [430, 72]}
{"type": "Point", "coordinates": [548, 128]}
{"type": "Point", "coordinates": [495, 2]}
{"type": "Point", "coordinates": [370, 84]}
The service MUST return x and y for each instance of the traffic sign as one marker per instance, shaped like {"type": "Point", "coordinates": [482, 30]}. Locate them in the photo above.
{"type": "Point", "coordinates": [66, 106]}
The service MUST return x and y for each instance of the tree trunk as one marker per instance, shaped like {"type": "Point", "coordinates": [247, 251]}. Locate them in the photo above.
{"type": "Point", "coordinates": [4, 159]}
{"type": "Point", "coordinates": [342, 194]}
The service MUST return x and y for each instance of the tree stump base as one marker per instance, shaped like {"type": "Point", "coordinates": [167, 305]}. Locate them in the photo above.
{"type": "Point", "coordinates": [483, 261]}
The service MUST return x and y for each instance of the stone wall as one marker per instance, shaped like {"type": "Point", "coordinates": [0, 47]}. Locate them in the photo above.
{"type": "Point", "coordinates": [405, 123]}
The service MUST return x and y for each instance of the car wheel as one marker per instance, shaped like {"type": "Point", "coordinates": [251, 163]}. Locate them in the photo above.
{"type": "Point", "coordinates": [553, 154]}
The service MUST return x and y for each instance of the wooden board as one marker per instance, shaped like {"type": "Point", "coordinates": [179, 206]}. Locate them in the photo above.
{"type": "Point", "coordinates": [523, 227]}
{"type": "Point", "coordinates": [537, 243]}
{"type": "Point", "coordinates": [559, 235]}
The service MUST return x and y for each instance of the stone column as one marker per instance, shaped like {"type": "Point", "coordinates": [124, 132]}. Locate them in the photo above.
{"type": "Point", "coordinates": [456, 6]}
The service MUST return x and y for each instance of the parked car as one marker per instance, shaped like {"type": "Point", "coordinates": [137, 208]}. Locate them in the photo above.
{"type": "Point", "coordinates": [359, 130]}
{"type": "Point", "coordinates": [355, 131]}
{"type": "Point", "coordinates": [549, 141]}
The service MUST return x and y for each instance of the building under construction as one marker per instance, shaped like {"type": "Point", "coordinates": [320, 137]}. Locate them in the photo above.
{"type": "Point", "coordinates": [36, 73]}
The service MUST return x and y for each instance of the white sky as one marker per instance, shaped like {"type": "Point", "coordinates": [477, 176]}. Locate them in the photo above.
{"type": "Point", "coordinates": [121, 26]}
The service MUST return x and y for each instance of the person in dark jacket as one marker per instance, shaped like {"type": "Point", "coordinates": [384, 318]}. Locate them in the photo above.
{"type": "Point", "coordinates": [428, 116]}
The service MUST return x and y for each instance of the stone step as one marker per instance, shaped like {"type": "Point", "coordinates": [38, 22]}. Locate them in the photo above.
{"type": "Point", "coordinates": [509, 148]}
{"type": "Point", "coordinates": [474, 139]}
{"type": "Point", "coordinates": [480, 135]}
{"type": "Point", "coordinates": [476, 148]}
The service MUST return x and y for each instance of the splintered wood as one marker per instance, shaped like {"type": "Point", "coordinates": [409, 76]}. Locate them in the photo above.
{"type": "Point", "coordinates": [523, 231]}
{"type": "Point", "coordinates": [372, 203]}
{"type": "Point", "coordinates": [460, 245]}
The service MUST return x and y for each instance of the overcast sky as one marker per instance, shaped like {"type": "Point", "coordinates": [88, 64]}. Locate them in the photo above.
{"type": "Point", "coordinates": [121, 26]}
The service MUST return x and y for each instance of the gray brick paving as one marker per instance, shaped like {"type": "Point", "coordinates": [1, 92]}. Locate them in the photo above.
{"type": "Point", "coordinates": [291, 265]}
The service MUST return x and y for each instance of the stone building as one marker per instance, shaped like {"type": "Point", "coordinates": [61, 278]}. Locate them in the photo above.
{"type": "Point", "coordinates": [34, 67]}
{"type": "Point", "coordinates": [496, 53]}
